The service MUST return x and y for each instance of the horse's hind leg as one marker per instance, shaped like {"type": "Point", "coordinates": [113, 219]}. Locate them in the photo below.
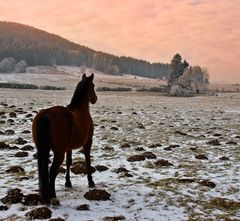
{"type": "Point", "coordinates": [68, 183]}
{"type": "Point", "coordinates": [57, 161]}
{"type": "Point", "coordinates": [87, 150]}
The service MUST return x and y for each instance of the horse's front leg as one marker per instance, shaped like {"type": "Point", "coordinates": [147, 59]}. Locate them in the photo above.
{"type": "Point", "coordinates": [68, 183]}
{"type": "Point", "coordinates": [87, 150]}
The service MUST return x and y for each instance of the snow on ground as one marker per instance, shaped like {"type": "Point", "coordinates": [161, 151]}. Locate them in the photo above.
{"type": "Point", "coordinates": [176, 130]}
{"type": "Point", "coordinates": [44, 75]}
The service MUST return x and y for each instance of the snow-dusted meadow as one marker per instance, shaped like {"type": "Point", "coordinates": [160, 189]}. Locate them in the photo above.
{"type": "Point", "coordinates": [167, 158]}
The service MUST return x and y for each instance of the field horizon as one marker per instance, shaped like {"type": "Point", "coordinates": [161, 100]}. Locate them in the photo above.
{"type": "Point", "coordinates": [56, 75]}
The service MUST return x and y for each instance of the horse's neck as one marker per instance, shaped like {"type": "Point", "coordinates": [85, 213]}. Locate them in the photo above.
{"type": "Point", "coordinates": [82, 108]}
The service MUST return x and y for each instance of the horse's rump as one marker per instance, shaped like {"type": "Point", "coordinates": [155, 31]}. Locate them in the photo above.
{"type": "Point", "coordinates": [60, 124]}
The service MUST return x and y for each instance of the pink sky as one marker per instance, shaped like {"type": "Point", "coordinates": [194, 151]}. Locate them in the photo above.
{"type": "Point", "coordinates": [204, 32]}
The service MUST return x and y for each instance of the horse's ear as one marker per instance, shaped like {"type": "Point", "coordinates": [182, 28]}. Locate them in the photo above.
{"type": "Point", "coordinates": [84, 76]}
{"type": "Point", "coordinates": [91, 77]}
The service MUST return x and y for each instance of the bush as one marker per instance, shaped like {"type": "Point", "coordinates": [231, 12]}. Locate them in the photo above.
{"type": "Point", "coordinates": [152, 89]}
{"type": "Point", "coordinates": [178, 91]}
{"type": "Point", "coordinates": [117, 89]}
{"type": "Point", "coordinates": [47, 87]}
{"type": "Point", "coordinates": [29, 86]}
{"type": "Point", "coordinates": [18, 86]}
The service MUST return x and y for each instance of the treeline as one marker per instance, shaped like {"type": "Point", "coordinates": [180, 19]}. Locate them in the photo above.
{"type": "Point", "coordinates": [38, 47]}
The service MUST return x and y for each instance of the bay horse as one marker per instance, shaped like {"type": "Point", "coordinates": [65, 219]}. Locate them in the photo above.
{"type": "Point", "coordinates": [62, 129]}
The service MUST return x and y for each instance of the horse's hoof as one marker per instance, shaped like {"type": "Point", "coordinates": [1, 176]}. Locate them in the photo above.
{"type": "Point", "coordinates": [68, 185]}
{"type": "Point", "coordinates": [46, 202]}
{"type": "Point", "coordinates": [55, 202]}
{"type": "Point", "coordinates": [91, 185]}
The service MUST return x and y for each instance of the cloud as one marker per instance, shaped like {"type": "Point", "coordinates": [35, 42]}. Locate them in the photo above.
{"type": "Point", "coordinates": [203, 31]}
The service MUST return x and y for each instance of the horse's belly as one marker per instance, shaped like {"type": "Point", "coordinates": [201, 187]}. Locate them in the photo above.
{"type": "Point", "coordinates": [78, 138]}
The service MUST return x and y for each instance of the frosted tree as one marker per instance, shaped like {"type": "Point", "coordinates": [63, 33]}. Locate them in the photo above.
{"type": "Point", "coordinates": [82, 69]}
{"type": "Point", "coordinates": [206, 75]}
{"type": "Point", "coordinates": [7, 65]}
{"type": "Point", "coordinates": [194, 78]}
{"type": "Point", "coordinates": [21, 67]}
{"type": "Point", "coordinates": [113, 69]}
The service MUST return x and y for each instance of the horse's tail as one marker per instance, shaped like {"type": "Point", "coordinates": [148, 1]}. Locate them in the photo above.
{"type": "Point", "coordinates": [43, 149]}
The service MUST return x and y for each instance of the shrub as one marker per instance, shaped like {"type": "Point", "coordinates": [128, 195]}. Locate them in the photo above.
{"type": "Point", "coordinates": [47, 87]}
{"type": "Point", "coordinates": [29, 86]}
{"type": "Point", "coordinates": [116, 89]}
{"type": "Point", "coordinates": [18, 86]}
{"type": "Point", "coordinates": [152, 89]}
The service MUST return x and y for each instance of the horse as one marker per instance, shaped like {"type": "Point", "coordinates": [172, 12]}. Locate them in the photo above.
{"type": "Point", "coordinates": [62, 129]}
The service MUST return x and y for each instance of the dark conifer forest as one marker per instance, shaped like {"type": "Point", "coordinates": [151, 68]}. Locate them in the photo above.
{"type": "Point", "coordinates": [38, 47]}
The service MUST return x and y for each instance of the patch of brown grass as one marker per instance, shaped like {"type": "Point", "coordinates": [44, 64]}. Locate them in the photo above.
{"type": "Point", "coordinates": [222, 203]}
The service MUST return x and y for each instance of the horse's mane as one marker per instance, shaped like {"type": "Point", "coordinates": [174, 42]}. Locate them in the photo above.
{"type": "Point", "coordinates": [79, 95]}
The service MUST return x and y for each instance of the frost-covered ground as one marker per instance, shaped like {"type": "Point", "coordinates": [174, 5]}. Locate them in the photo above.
{"type": "Point", "coordinates": [131, 125]}
{"type": "Point", "coordinates": [169, 183]}
{"type": "Point", "coordinates": [65, 76]}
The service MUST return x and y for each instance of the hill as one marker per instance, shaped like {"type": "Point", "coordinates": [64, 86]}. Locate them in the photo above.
{"type": "Point", "coordinates": [39, 47]}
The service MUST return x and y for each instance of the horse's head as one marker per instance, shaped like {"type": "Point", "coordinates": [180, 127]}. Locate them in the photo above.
{"type": "Point", "coordinates": [92, 97]}
{"type": "Point", "coordinates": [84, 92]}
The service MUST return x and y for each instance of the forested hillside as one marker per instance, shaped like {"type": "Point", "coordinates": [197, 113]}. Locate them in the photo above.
{"type": "Point", "coordinates": [38, 47]}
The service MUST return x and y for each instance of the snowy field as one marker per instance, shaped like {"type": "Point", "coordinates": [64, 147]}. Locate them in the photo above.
{"type": "Point", "coordinates": [68, 76]}
{"type": "Point", "coordinates": [166, 158]}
